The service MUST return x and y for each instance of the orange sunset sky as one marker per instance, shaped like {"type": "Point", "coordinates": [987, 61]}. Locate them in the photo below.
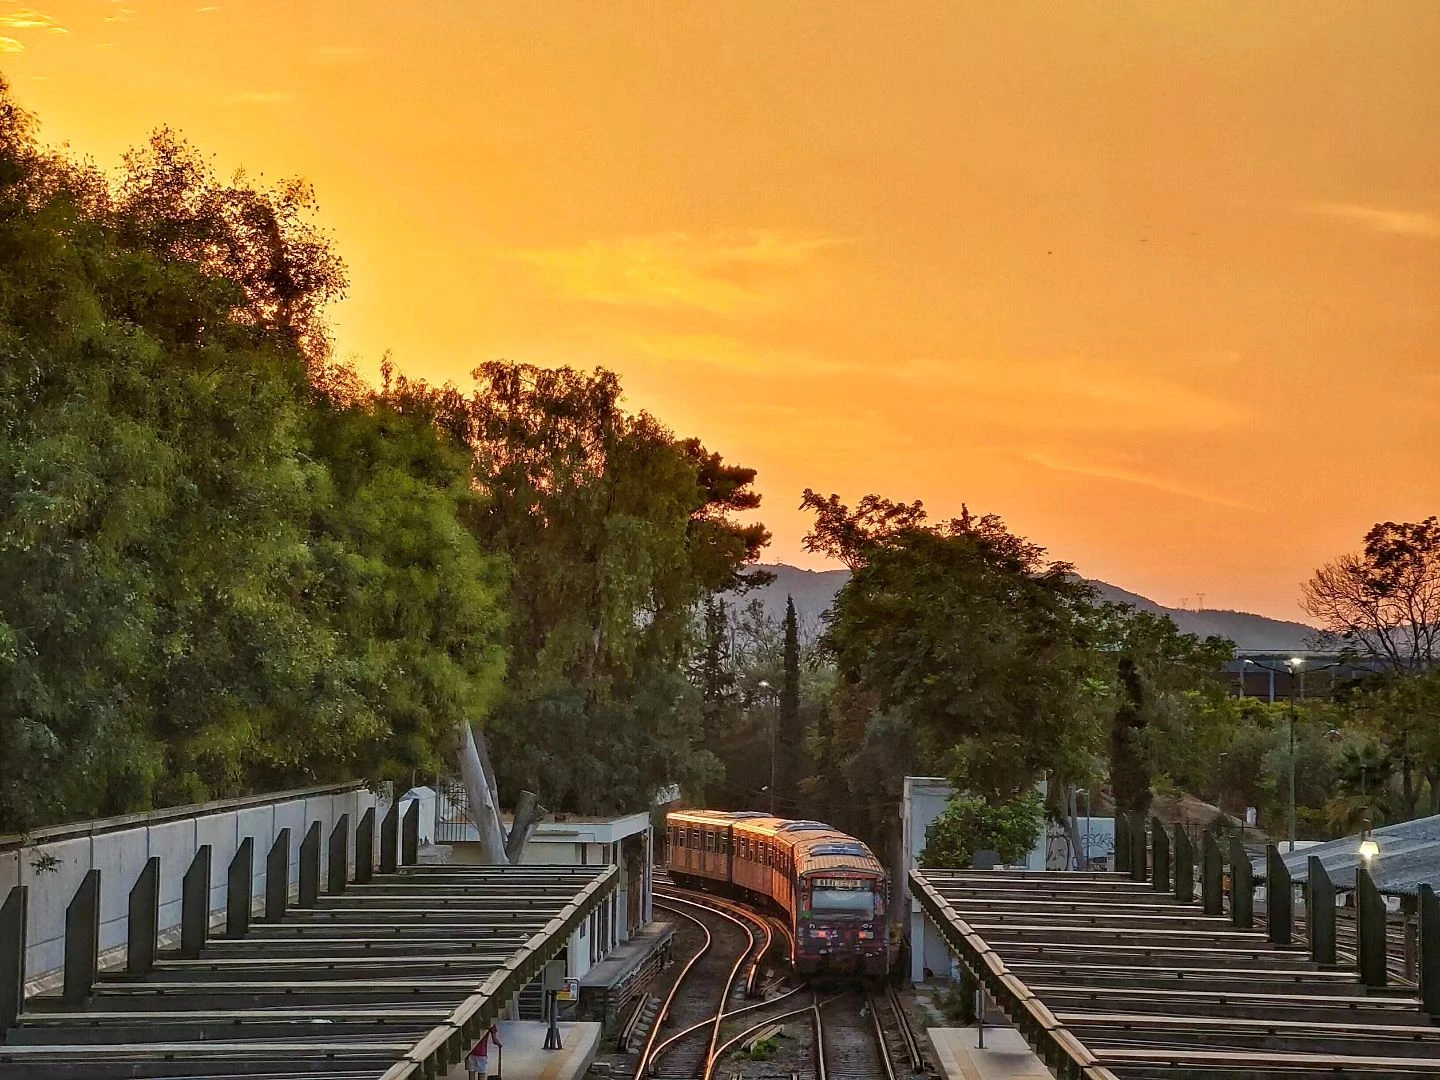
{"type": "Point", "coordinates": [1155, 281]}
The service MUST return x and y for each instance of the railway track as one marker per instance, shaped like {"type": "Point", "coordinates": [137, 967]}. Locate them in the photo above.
{"type": "Point", "coordinates": [706, 1019]}
{"type": "Point", "coordinates": [894, 1033]}
{"type": "Point", "coordinates": [682, 1042]}
{"type": "Point", "coordinates": [849, 1049]}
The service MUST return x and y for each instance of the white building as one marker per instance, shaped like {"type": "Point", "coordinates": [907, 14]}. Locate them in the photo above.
{"type": "Point", "coordinates": [567, 840]}
{"type": "Point", "coordinates": [923, 801]}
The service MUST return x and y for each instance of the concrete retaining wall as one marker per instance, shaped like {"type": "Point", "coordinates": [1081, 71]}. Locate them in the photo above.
{"type": "Point", "coordinates": [57, 860]}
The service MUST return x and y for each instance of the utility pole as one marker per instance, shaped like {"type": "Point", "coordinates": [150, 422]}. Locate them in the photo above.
{"type": "Point", "coordinates": [1295, 664]}
{"type": "Point", "coordinates": [764, 688]}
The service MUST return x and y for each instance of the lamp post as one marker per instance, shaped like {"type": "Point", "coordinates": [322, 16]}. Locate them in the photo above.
{"type": "Point", "coordinates": [1296, 667]}
{"type": "Point", "coordinates": [765, 692]}
{"type": "Point", "coordinates": [1296, 664]}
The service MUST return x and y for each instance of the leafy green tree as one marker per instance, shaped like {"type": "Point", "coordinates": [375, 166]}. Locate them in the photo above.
{"type": "Point", "coordinates": [975, 636]}
{"type": "Point", "coordinates": [1160, 676]}
{"type": "Point", "coordinates": [401, 573]}
{"type": "Point", "coordinates": [224, 565]}
{"type": "Point", "coordinates": [616, 533]}
{"type": "Point", "coordinates": [715, 669]}
{"type": "Point", "coordinates": [969, 824]}
{"type": "Point", "coordinates": [1401, 712]}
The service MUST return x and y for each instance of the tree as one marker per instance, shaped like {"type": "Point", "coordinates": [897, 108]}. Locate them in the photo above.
{"type": "Point", "coordinates": [969, 824]}
{"type": "Point", "coordinates": [1158, 675]}
{"type": "Point", "coordinates": [976, 638]}
{"type": "Point", "coordinates": [1400, 712]}
{"type": "Point", "coordinates": [616, 533]}
{"type": "Point", "coordinates": [224, 564]}
{"type": "Point", "coordinates": [713, 670]}
{"type": "Point", "coordinates": [1384, 601]}
{"type": "Point", "coordinates": [790, 739]}
{"type": "Point", "coordinates": [850, 536]}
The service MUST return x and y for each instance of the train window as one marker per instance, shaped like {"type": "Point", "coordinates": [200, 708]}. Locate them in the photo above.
{"type": "Point", "coordinates": [709, 841]}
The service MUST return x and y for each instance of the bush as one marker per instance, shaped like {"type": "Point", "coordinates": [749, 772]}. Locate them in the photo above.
{"type": "Point", "coordinates": [762, 1050]}
{"type": "Point", "coordinates": [970, 824]}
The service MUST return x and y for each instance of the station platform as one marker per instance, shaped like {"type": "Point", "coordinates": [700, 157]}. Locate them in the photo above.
{"type": "Point", "coordinates": [611, 983]}
{"type": "Point", "coordinates": [1005, 1056]}
{"type": "Point", "coordinates": [524, 1056]}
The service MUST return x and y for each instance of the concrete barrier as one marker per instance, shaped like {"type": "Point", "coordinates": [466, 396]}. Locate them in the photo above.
{"type": "Point", "coordinates": [54, 861]}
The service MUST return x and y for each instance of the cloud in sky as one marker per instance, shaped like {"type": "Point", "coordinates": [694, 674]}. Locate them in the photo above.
{"type": "Point", "coordinates": [10, 45]}
{"type": "Point", "coordinates": [28, 19]}
{"type": "Point", "coordinates": [723, 272]}
{"type": "Point", "coordinates": [733, 354]}
{"type": "Point", "coordinates": [1080, 393]}
{"type": "Point", "coordinates": [258, 97]}
{"type": "Point", "coordinates": [335, 54]}
{"type": "Point", "coordinates": [1379, 219]}
{"type": "Point", "coordinates": [1127, 475]}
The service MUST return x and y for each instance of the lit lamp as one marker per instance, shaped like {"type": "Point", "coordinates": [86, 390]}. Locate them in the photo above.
{"type": "Point", "coordinates": [1368, 847]}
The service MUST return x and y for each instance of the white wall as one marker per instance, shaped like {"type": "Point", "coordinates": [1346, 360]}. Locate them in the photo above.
{"type": "Point", "coordinates": [121, 853]}
{"type": "Point", "coordinates": [923, 801]}
{"type": "Point", "coordinates": [429, 805]}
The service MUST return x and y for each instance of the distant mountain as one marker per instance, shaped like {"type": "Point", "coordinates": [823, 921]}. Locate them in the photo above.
{"type": "Point", "coordinates": [814, 591]}
{"type": "Point", "coordinates": [1250, 632]}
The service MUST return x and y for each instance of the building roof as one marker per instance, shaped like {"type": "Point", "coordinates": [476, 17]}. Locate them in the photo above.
{"type": "Point", "coordinates": [1109, 979]}
{"type": "Point", "coordinates": [385, 979]}
{"type": "Point", "coordinates": [1409, 856]}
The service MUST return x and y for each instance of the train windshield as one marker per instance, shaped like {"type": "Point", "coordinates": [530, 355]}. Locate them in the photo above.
{"type": "Point", "coordinates": [842, 902]}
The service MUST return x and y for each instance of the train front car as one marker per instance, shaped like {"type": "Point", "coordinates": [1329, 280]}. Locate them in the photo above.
{"type": "Point", "coordinates": [840, 907]}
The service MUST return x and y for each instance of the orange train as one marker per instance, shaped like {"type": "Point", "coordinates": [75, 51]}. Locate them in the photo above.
{"type": "Point", "coordinates": [831, 889]}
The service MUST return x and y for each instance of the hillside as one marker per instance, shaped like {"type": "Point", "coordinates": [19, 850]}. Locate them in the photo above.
{"type": "Point", "coordinates": [814, 591]}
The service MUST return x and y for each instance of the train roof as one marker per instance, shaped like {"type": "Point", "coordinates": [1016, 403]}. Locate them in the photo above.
{"type": "Point", "coordinates": [816, 845]}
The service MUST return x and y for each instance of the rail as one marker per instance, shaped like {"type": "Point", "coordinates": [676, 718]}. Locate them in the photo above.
{"type": "Point", "coordinates": [714, 1021]}
{"type": "Point", "coordinates": [649, 1051]}
{"type": "Point", "coordinates": [766, 924]}
{"type": "Point", "coordinates": [915, 1057]}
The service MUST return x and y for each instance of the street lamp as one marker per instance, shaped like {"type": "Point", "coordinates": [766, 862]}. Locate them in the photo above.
{"type": "Point", "coordinates": [765, 686]}
{"type": "Point", "coordinates": [1296, 664]}
{"type": "Point", "coordinates": [1368, 847]}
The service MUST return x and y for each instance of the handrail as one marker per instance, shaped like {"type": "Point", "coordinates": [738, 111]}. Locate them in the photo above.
{"type": "Point", "coordinates": [472, 1016]}
{"type": "Point", "coordinates": [1057, 1046]}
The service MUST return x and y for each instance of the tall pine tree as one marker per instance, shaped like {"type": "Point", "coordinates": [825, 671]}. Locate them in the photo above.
{"type": "Point", "coordinates": [790, 767]}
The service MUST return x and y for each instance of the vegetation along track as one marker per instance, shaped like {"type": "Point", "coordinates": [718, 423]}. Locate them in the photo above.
{"type": "Point", "coordinates": [705, 985]}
